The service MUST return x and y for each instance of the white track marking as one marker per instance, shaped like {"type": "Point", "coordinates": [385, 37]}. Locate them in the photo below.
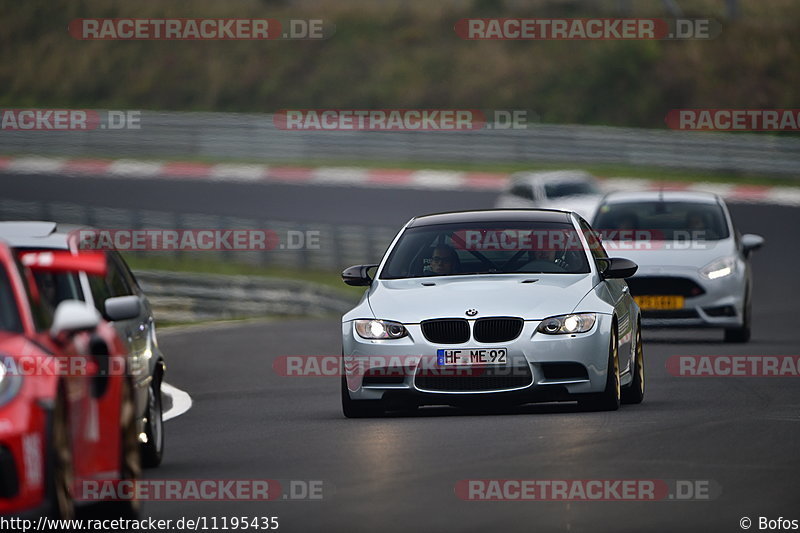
{"type": "Point", "coordinates": [127, 168]}
{"type": "Point", "coordinates": [237, 172]}
{"type": "Point", "coordinates": [181, 401]}
{"type": "Point", "coordinates": [35, 165]}
{"type": "Point", "coordinates": [722, 189]}
{"type": "Point", "coordinates": [625, 184]}
{"type": "Point", "coordinates": [339, 175]}
{"type": "Point", "coordinates": [438, 179]}
{"type": "Point", "coordinates": [783, 195]}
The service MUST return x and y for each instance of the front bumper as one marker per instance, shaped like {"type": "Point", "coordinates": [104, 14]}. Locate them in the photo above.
{"type": "Point", "coordinates": [530, 354]}
{"type": "Point", "coordinates": [720, 306]}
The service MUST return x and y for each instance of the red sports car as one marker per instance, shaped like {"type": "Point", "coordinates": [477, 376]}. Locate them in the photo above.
{"type": "Point", "coordinates": [66, 401]}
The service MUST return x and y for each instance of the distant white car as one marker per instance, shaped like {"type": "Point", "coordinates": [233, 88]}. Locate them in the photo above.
{"type": "Point", "coordinates": [694, 268]}
{"type": "Point", "coordinates": [569, 190]}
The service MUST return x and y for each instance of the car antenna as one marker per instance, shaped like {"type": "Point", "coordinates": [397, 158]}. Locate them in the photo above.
{"type": "Point", "coordinates": [660, 207]}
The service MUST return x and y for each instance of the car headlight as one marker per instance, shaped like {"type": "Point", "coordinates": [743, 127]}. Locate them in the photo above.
{"type": "Point", "coordinates": [10, 380]}
{"type": "Point", "coordinates": [719, 268]}
{"type": "Point", "coordinates": [565, 324]}
{"type": "Point", "coordinates": [380, 329]}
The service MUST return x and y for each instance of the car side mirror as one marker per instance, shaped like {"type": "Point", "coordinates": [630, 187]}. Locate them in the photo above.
{"type": "Point", "coordinates": [122, 307]}
{"type": "Point", "coordinates": [751, 243]}
{"type": "Point", "coordinates": [72, 316]}
{"type": "Point", "coordinates": [358, 275]}
{"type": "Point", "coordinates": [618, 268]}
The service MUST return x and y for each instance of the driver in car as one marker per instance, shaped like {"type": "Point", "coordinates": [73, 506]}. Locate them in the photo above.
{"type": "Point", "coordinates": [444, 261]}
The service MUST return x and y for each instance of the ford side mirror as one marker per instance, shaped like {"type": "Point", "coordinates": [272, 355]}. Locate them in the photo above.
{"type": "Point", "coordinates": [122, 307]}
{"type": "Point", "coordinates": [751, 243]}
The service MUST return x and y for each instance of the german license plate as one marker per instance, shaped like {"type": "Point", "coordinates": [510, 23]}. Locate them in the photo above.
{"type": "Point", "coordinates": [472, 356]}
{"type": "Point", "coordinates": [659, 302]}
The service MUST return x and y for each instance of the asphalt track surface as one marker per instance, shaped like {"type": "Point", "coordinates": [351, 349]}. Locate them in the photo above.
{"type": "Point", "coordinates": [321, 204]}
{"type": "Point", "coordinates": [398, 473]}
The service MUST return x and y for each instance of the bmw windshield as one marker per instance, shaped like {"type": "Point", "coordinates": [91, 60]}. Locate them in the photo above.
{"type": "Point", "coordinates": [487, 248]}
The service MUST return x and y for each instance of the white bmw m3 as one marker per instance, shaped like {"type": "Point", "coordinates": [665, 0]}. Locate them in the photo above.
{"type": "Point", "coordinates": [471, 307]}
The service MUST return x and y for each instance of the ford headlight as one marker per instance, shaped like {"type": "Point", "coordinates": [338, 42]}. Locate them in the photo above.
{"type": "Point", "coordinates": [380, 329]}
{"type": "Point", "coordinates": [10, 380]}
{"type": "Point", "coordinates": [719, 268]}
{"type": "Point", "coordinates": [565, 324]}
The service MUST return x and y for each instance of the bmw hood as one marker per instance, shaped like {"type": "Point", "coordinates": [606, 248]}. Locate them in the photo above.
{"type": "Point", "coordinates": [413, 300]}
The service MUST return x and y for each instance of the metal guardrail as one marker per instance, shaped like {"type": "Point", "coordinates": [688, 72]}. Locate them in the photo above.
{"type": "Point", "coordinates": [339, 245]}
{"type": "Point", "coordinates": [186, 297]}
{"type": "Point", "coordinates": [255, 137]}
{"type": "Point", "coordinates": [190, 297]}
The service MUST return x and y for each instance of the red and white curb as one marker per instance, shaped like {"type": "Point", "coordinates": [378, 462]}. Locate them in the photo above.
{"type": "Point", "coordinates": [357, 177]}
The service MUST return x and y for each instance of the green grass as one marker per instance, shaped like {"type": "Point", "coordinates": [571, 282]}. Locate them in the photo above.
{"type": "Point", "coordinates": [172, 324]}
{"type": "Point", "coordinates": [403, 53]}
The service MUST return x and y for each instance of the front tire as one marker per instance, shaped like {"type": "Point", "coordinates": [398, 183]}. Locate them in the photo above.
{"type": "Point", "coordinates": [359, 408]}
{"type": "Point", "coordinates": [634, 393]}
{"type": "Point", "coordinates": [609, 399]}
{"type": "Point", "coordinates": [153, 449]}
{"type": "Point", "coordinates": [742, 333]}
